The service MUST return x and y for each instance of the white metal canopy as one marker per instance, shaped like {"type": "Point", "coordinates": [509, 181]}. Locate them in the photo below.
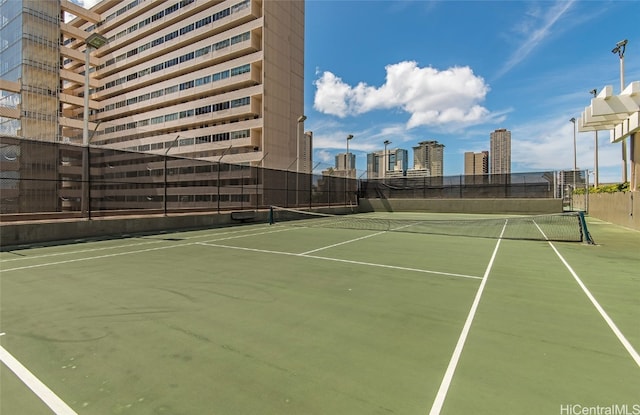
{"type": "Point", "coordinates": [618, 113]}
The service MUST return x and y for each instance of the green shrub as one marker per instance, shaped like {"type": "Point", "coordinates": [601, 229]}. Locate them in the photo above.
{"type": "Point", "coordinates": [605, 188]}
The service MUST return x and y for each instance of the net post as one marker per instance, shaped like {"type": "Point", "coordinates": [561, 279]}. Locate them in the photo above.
{"type": "Point", "coordinates": [585, 231]}
{"type": "Point", "coordinates": [271, 218]}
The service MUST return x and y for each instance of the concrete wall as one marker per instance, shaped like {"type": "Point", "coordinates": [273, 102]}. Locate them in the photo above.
{"type": "Point", "coordinates": [500, 206]}
{"type": "Point", "coordinates": [620, 208]}
{"type": "Point", "coordinates": [18, 233]}
{"type": "Point", "coordinates": [55, 229]}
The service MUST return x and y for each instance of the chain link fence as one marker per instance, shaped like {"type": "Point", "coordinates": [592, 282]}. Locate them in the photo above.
{"type": "Point", "coordinates": [40, 177]}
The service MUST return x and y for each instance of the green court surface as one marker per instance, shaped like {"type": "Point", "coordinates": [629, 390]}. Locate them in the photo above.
{"type": "Point", "coordinates": [276, 319]}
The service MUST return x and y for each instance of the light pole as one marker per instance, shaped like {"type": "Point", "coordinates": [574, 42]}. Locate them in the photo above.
{"type": "Point", "coordinates": [164, 199]}
{"type": "Point", "coordinates": [301, 120]}
{"type": "Point", "coordinates": [260, 165]}
{"type": "Point", "coordinates": [220, 159]}
{"type": "Point", "coordinates": [594, 92]}
{"type": "Point", "coordinates": [300, 131]}
{"type": "Point", "coordinates": [347, 165]}
{"type": "Point", "coordinates": [575, 161]}
{"type": "Point", "coordinates": [384, 159]}
{"type": "Point", "coordinates": [94, 41]}
{"type": "Point", "coordinates": [619, 50]}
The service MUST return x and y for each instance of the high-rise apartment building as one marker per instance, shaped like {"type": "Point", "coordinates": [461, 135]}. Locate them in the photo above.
{"type": "Point", "coordinates": [476, 163]}
{"type": "Point", "coordinates": [393, 162]}
{"type": "Point", "coordinates": [203, 79]}
{"type": "Point", "coordinates": [429, 155]}
{"type": "Point", "coordinates": [500, 152]}
{"type": "Point", "coordinates": [345, 164]}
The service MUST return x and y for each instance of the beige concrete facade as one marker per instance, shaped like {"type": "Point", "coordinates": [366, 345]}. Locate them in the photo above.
{"type": "Point", "coordinates": [429, 155]}
{"type": "Point", "coordinates": [500, 152]}
{"type": "Point", "coordinates": [476, 163]}
{"type": "Point", "coordinates": [203, 79]}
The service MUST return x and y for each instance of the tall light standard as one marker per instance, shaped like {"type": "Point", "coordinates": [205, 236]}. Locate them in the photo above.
{"type": "Point", "coordinates": [301, 121]}
{"type": "Point", "coordinates": [300, 132]}
{"type": "Point", "coordinates": [619, 50]}
{"type": "Point", "coordinates": [164, 199]}
{"type": "Point", "coordinates": [385, 161]}
{"type": "Point", "coordinates": [575, 161]}
{"type": "Point", "coordinates": [219, 160]}
{"type": "Point", "coordinates": [594, 92]}
{"type": "Point", "coordinates": [94, 41]}
{"type": "Point", "coordinates": [347, 166]}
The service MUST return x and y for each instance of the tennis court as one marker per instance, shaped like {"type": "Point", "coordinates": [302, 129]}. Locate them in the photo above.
{"type": "Point", "coordinates": [283, 319]}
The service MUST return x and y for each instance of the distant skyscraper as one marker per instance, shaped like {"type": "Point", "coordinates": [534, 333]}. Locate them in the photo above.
{"type": "Point", "coordinates": [344, 163]}
{"type": "Point", "coordinates": [397, 161]}
{"type": "Point", "coordinates": [429, 155]}
{"type": "Point", "coordinates": [500, 156]}
{"type": "Point", "coordinates": [476, 163]}
{"type": "Point", "coordinates": [306, 154]}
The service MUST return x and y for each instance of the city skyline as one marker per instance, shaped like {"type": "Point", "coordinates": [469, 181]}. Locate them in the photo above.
{"type": "Point", "coordinates": [525, 66]}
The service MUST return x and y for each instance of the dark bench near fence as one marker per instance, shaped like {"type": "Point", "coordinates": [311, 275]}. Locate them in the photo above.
{"type": "Point", "coordinates": [243, 215]}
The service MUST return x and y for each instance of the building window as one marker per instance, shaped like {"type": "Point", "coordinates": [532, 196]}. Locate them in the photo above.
{"type": "Point", "coordinates": [240, 102]}
{"type": "Point", "coordinates": [171, 117]}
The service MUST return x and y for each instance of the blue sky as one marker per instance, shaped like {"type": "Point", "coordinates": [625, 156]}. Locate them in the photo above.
{"type": "Point", "coordinates": [454, 71]}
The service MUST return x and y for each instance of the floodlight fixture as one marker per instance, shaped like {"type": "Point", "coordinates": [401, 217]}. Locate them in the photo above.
{"type": "Point", "coordinates": [620, 48]}
{"type": "Point", "coordinates": [96, 40]}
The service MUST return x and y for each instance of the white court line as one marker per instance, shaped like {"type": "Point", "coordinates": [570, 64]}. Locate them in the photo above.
{"type": "Point", "coordinates": [69, 261]}
{"type": "Point", "coordinates": [57, 405]}
{"type": "Point", "coordinates": [104, 248]}
{"type": "Point", "coordinates": [612, 325]}
{"type": "Point", "coordinates": [457, 352]}
{"type": "Point", "coordinates": [370, 264]}
{"type": "Point", "coordinates": [341, 243]}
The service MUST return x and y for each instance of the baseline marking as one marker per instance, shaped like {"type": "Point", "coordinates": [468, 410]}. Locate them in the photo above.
{"type": "Point", "coordinates": [68, 261]}
{"type": "Point", "coordinates": [41, 390]}
{"type": "Point", "coordinates": [207, 235]}
{"type": "Point", "coordinates": [457, 352]}
{"type": "Point", "coordinates": [264, 251]}
{"type": "Point", "coordinates": [612, 325]}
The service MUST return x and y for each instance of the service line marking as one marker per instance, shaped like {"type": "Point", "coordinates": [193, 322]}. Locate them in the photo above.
{"type": "Point", "coordinates": [57, 405]}
{"type": "Point", "coordinates": [370, 264]}
{"type": "Point", "coordinates": [457, 352]}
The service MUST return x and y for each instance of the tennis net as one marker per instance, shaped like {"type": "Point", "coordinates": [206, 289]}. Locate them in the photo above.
{"type": "Point", "coordinates": [565, 227]}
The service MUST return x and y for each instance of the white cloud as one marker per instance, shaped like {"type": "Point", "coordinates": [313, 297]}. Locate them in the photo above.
{"type": "Point", "coordinates": [431, 97]}
{"type": "Point", "coordinates": [540, 145]}
{"type": "Point", "coordinates": [535, 28]}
